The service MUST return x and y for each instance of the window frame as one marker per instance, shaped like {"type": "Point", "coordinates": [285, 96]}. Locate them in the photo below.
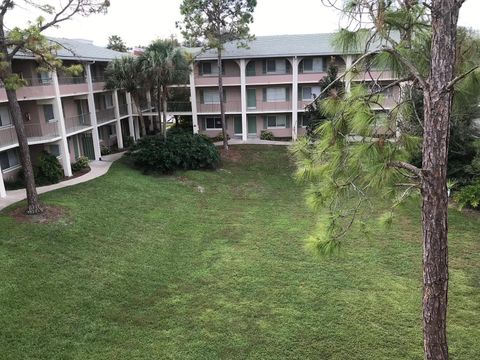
{"type": "Point", "coordinates": [284, 89]}
{"type": "Point", "coordinates": [215, 119]}
{"type": "Point", "coordinates": [49, 120]}
{"type": "Point", "coordinates": [210, 91]}
{"type": "Point", "coordinates": [276, 117]}
{"type": "Point", "coordinates": [11, 167]}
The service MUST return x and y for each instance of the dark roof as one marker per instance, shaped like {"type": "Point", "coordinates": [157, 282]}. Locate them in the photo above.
{"type": "Point", "coordinates": [279, 45]}
{"type": "Point", "coordinates": [78, 49]}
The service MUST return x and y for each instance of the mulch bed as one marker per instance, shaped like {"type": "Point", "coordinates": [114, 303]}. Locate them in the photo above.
{"type": "Point", "coordinates": [79, 173]}
{"type": "Point", "coordinates": [51, 214]}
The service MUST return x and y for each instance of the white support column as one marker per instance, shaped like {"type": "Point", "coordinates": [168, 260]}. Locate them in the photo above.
{"type": "Point", "coordinates": [118, 123]}
{"type": "Point", "coordinates": [243, 91]}
{"type": "Point", "coordinates": [63, 143]}
{"type": "Point", "coordinates": [131, 127]}
{"type": "Point", "coordinates": [93, 115]}
{"type": "Point", "coordinates": [193, 100]}
{"type": "Point", "coordinates": [295, 99]}
{"type": "Point", "coordinates": [348, 77]}
{"type": "Point", "coordinates": [3, 192]}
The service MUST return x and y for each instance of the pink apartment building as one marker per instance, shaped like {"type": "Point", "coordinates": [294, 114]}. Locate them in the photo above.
{"type": "Point", "coordinates": [268, 84]}
{"type": "Point", "coordinates": [69, 116]}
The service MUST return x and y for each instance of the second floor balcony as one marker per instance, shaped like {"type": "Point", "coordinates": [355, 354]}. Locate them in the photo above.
{"type": "Point", "coordinates": [105, 115]}
{"type": "Point", "coordinates": [34, 88]}
{"type": "Point", "coordinates": [78, 123]}
{"type": "Point", "coordinates": [36, 133]}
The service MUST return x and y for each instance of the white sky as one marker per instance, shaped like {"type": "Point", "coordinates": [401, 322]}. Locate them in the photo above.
{"type": "Point", "coordinates": [139, 22]}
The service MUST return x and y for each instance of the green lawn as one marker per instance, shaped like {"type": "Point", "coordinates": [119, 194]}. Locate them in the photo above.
{"type": "Point", "coordinates": [152, 268]}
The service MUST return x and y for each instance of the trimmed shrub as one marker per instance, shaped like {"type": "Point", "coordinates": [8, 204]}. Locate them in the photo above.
{"type": "Point", "coordinates": [219, 138]}
{"type": "Point", "coordinates": [49, 169]}
{"type": "Point", "coordinates": [105, 150]}
{"type": "Point", "coordinates": [181, 151]}
{"type": "Point", "coordinates": [81, 164]}
{"type": "Point", "coordinates": [469, 196]}
{"type": "Point", "coordinates": [266, 135]}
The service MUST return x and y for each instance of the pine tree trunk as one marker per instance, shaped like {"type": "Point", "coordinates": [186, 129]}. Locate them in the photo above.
{"type": "Point", "coordinates": [220, 95]}
{"type": "Point", "coordinates": [438, 104]}
{"type": "Point", "coordinates": [33, 202]}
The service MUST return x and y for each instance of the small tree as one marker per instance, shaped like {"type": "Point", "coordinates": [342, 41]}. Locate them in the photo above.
{"type": "Point", "coordinates": [31, 41]}
{"type": "Point", "coordinates": [125, 73]}
{"type": "Point", "coordinates": [116, 43]}
{"type": "Point", "coordinates": [165, 64]}
{"type": "Point", "coordinates": [213, 23]}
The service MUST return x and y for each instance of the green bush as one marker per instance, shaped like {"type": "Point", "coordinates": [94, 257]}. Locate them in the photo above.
{"type": "Point", "coordinates": [181, 150]}
{"type": "Point", "coordinates": [128, 141]}
{"type": "Point", "coordinates": [469, 196]}
{"type": "Point", "coordinates": [49, 169]}
{"type": "Point", "coordinates": [266, 135]}
{"type": "Point", "coordinates": [105, 150]}
{"type": "Point", "coordinates": [219, 138]}
{"type": "Point", "coordinates": [81, 164]}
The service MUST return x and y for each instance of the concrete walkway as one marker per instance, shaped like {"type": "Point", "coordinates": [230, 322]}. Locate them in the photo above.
{"type": "Point", "coordinates": [255, 142]}
{"type": "Point", "coordinates": [98, 168]}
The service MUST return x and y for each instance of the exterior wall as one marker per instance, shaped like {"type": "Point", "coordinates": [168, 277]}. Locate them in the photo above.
{"type": "Point", "coordinates": [230, 128]}
{"type": "Point", "coordinates": [232, 104]}
{"type": "Point", "coordinates": [230, 77]}
{"type": "Point", "coordinates": [270, 106]}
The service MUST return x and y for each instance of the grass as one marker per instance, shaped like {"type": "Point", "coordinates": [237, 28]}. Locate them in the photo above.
{"type": "Point", "coordinates": [149, 267]}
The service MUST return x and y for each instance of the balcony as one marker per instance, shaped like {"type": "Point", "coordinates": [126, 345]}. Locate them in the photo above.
{"type": "Point", "coordinates": [36, 133]}
{"type": "Point", "coordinates": [35, 88]}
{"type": "Point", "coordinates": [230, 106]}
{"type": "Point", "coordinates": [72, 85]}
{"type": "Point", "coordinates": [179, 107]}
{"type": "Point", "coordinates": [212, 80]}
{"type": "Point", "coordinates": [311, 77]}
{"type": "Point", "coordinates": [98, 83]}
{"type": "Point", "coordinates": [106, 115]}
{"type": "Point", "coordinates": [77, 123]}
{"type": "Point", "coordinates": [374, 75]}
{"type": "Point", "coordinates": [123, 109]}
{"type": "Point", "coordinates": [266, 79]}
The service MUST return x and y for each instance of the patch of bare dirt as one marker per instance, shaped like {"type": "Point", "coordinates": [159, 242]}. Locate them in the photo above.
{"type": "Point", "coordinates": [49, 215]}
{"type": "Point", "coordinates": [79, 173]}
{"type": "Point", "coordinates": [232, 154]}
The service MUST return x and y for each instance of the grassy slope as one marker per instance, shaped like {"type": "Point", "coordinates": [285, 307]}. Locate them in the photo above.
{"type": "Point", "coordinates": [151, 268]}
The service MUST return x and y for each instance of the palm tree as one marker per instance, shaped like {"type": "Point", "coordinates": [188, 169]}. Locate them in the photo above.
{"type": "Point", "coordinates": [125, 73]}
{"type": "Point", "coordinates": [166, 64]}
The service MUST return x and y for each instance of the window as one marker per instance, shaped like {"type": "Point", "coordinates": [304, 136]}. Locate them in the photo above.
{"type": "Point", "coordinates": [54, 150]}
{"type": "Point", "coordinates": [211, 96]}
{"type": "Point", "coordinates": [44, 78]}
{"type": "Point", "coordinates": [112, 130]}
{"type": "Point", "coordinates": [108, 101]}
{"type": "Point", "coordinates": [206, 68]}
{"type": "Point", "coordinates": [213, 123]}
{"type": "Point", "coordinates": [5, 118]}
{"type": "Point", "coordinates": [310, 92]}
{"type": "Point", "coordinates": [307, 65]}
{"type": "Point", "coordinates": [9, 159]}
{"type": "Point", "coordinates": [274, 94]}
{"type": "Point", "coordinates": [48, 113]}
{"type": "Point", "coordinates": [304, 121]}
{"type": "Point", "coordinates": [251, 68]}
{"type": "Point", "coordinates": [271, 66]}
{"type": "Point", "coordinates": [276, 121]}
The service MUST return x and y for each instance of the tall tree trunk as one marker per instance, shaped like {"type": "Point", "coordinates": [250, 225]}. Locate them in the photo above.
{"type": "Point", "coordinates": [33, 202]}
{"type": "Point", "coordinates": [143, 130]}
{"type": "Point", "coordinates": [220, 96]}
{"type": "Point", "coordinates": [164, 108]}
{"type": "Point", "coordinates": [437, 104]}
{"type": "Point", "coordinates": [159, 107]}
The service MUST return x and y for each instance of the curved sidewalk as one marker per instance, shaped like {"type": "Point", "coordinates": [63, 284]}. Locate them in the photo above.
{"type": "Point", "coordinates": [98, 168]}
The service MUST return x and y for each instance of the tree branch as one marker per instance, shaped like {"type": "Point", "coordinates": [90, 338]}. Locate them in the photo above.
{"type": "Point", "coordinates": [406, 166]}
{"type": "Point", "coordinates": [452, 83]}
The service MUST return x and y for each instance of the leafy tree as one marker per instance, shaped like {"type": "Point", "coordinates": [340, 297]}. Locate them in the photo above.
{"type": "Point", "coordinates": [126, 73]}
{"type": "Point", "coordinates": [31, 41]}
{"type": "Point", "coordinates": [213, 23]}
{"type": "Point", "coordinates": [116, 43]}
{"type": "Point", "coordinates": [361, 152]}
{"type": "Point", "coordinates": [166, 64]}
